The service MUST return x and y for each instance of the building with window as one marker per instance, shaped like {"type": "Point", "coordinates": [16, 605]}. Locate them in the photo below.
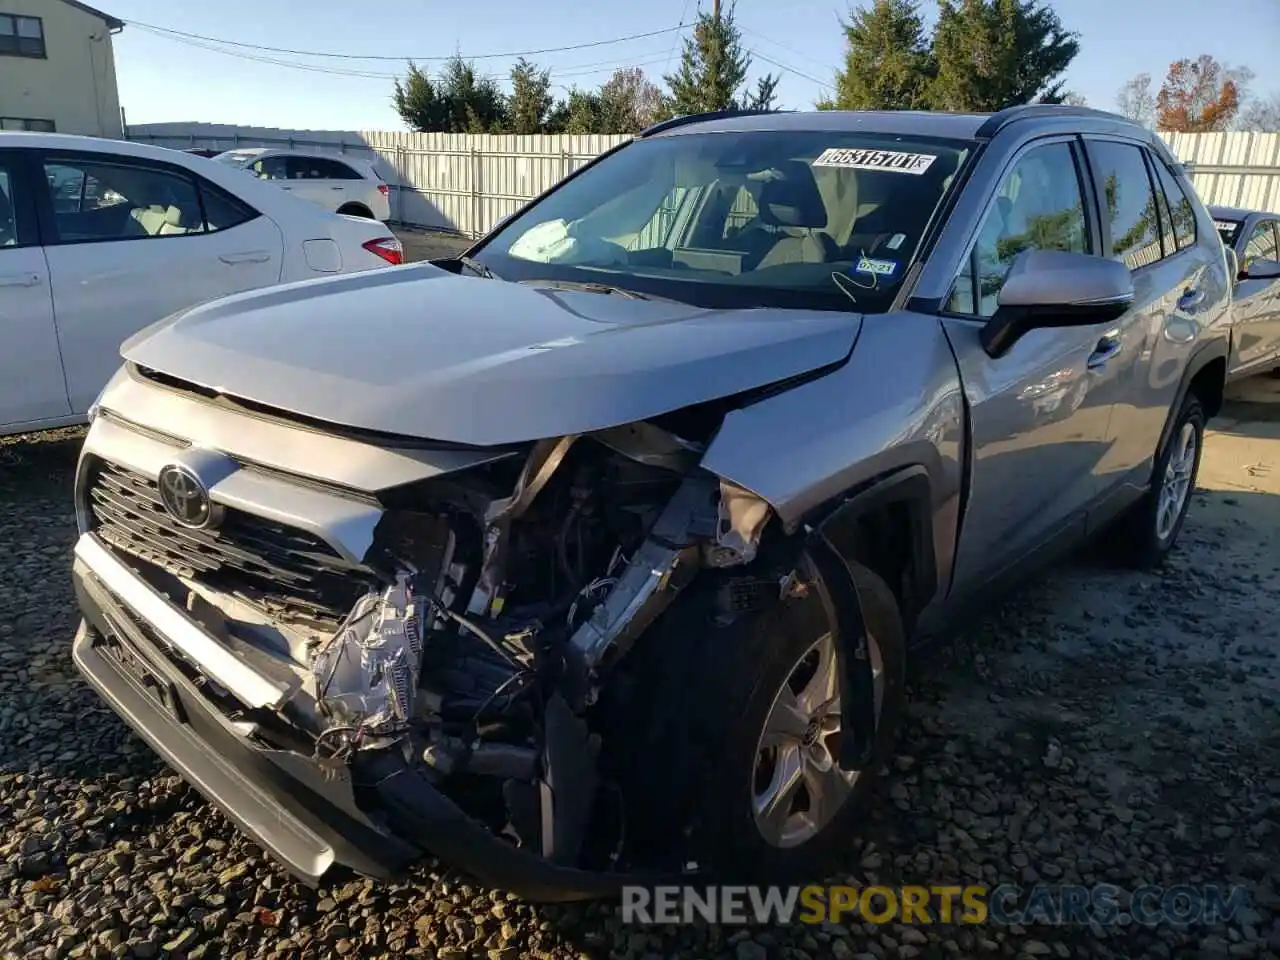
{"type": "Point", "coordinates": [57, 72]}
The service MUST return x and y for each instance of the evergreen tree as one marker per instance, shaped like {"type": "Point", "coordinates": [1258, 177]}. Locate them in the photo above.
{"type": "Point", "coordinates": [530, 102]}
{"type": "Point", "coordinates": [458, 101]}
{"type": "Point", "coordinates": [713, 68]}
{"type": "Point", "coordinates": [991, 54]}
{"type": "Point", "coordinates": [888, 64]}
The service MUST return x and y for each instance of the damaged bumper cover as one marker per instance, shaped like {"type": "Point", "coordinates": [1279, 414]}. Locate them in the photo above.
{"type": "Point", "coordinates": [304, 814]}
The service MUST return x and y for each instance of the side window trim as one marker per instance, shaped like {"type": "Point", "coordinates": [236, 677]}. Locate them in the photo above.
{"type": "Point", "coordinates": [1089, 201]}
{"type": "Point", "coordinates": [25, 199]}
{"type": "Point", "coordinates": [48, 217]}
{"type": "Point", "coordinates": [1164, 212]}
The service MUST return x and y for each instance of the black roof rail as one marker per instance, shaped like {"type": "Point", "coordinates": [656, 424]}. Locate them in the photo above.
{"type": "Point", "coordinates": [684, 121]}
{"type": "Point", "coordinates": [1025, 111]}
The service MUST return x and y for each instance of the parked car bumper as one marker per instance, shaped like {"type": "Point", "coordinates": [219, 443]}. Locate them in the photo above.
{"type": "Point", "coordinates": [304, 816]}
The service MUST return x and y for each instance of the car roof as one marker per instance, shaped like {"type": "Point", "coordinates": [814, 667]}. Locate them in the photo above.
{"type": "Point", "coordinates": [926, 123]}
{"type": "Point", "coordinates": [1231, 213]}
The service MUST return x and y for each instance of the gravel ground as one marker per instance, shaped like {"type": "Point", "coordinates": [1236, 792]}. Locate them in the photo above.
{"type": "Point", "coordinates": [1101, 726]}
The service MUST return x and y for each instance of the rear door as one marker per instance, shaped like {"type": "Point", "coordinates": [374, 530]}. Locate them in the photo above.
{"type": "Point", "coordinates": [31, 383]}
{"type": "Point", "coordinates": [1257, 303]}
{"type": "Point", "coordinates": [1172, 295]}
{"type": "Point", "coordinates": [141, 240]}
{"type": "Point", "coordinates": [324, 181]}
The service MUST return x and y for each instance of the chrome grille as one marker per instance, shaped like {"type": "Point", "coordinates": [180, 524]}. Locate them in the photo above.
{"type": "Point", "coordinates": [287, 572]}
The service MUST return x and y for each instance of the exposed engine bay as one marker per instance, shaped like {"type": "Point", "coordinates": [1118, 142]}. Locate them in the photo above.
{"type": "Point", "coordinates": [495, 605]}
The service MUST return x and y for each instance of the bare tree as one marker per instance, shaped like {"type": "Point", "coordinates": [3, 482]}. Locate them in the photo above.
{"type": "Point", "coordinates": [1136, 101]}
{"type": "Point", "coordinates": [1261, 115]}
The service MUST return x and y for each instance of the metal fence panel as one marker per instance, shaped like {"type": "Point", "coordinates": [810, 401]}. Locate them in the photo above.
{"type": "Point", "coordinates": [468, 182]}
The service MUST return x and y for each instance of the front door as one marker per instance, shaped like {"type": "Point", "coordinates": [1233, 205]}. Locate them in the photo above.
{"type": "Point", "coordinates": [31, 384]}
{"type": "Point", "coordinates": [1039, 422]}
{"type": "Point", "coordinates": [142, 241]}
{"type": "Point", "coordinates": [1257, 304]}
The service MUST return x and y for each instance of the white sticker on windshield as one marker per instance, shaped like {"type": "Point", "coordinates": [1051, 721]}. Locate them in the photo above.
{"type": "Point", "coordinates": [859, 159]}
{"type": "Point", "coordinates": [896, 241]}
{"type": "Point", "coordinates": [1224, 225]}
{"type": "Point", "coordinates": [881, 268]}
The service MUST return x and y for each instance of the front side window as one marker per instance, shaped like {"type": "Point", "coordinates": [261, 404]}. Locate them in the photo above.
{"type": "Point", "coordinates": [271, 168]}
{"type": "Point", "coordinates": [1128, 202]}
{"type": "Point", "coordinates": [739, 218]}
{"type": "Point", "coordinates": [1261, 245]}
{"type": "Point", "coordinates": [21, 36]}
{"type": "Point", "coordinates": [95, 201]}
{"type": "Point", "coordinates": [1038, 206]}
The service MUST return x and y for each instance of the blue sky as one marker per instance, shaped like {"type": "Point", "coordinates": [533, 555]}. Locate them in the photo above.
{"type": "Point", "coordinates": [162, 79]}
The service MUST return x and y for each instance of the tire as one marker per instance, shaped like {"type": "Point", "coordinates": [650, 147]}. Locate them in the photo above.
{"type": "Point", "coordinates": [356, 210]}
{"type": "Point", "coordinates": [1153, 526]}
{"type": "Point", "coordinates": [693, 767]}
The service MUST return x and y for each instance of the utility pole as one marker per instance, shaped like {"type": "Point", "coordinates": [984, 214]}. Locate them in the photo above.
{"type": "Point", "coordinates": [715, 10]}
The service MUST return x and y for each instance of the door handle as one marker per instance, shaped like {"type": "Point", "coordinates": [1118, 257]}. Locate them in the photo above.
{"type": "Point", "coordinates": [1190, 300]}
{"type": "Point", "coordinates": [1107, 348]}
{"type": "Point", "coordinates": [19, 279]}
{"type": "Point", "coordinates": [253, 256]}
{"type": "Point", "coordinates": [337, 188]}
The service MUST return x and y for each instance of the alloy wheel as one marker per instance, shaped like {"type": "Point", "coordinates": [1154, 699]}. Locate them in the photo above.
{"type": "Point", "coordinates": [798, 786]}
{"type": "Point", "coordinates": [1177, 481]}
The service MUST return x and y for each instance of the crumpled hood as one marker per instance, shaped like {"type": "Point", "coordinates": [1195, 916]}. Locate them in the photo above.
{"type": "Point", "coordinates": [421, 352]}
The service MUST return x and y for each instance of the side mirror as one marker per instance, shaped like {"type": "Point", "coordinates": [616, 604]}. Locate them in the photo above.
{"type": "Point", "coordinates": [1055, 288]}
{"type": "Point", "coordinates": [1263, 269]}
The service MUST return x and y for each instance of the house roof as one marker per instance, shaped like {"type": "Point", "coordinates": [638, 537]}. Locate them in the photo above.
{"type": "Point", "coordinates": [106, 18]}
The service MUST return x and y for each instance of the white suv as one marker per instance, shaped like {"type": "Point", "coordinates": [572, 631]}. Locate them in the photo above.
{"type": "Point", "coordinates": [339, 184]}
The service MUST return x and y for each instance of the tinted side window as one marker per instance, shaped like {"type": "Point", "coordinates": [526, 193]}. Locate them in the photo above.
{"type": "Point", "coordinates": [271, 168]}
{"type": "Point", "coordinates": [1180, 209]}
{"type": "Point", "coordinates": [319, 168]}
{"type": "Point", "coordinates": [1260, 246]}
{"type": "Point", "coordinates": [1038, 206]}
{"type": "Point", "coordinates": [1128, 203]}
{"type": "Point", "coordinates": [15, 229]}
{"type": "Point", "coordinates": [221, 210]}
{"type": "Point", "coordinates": [120, 201]}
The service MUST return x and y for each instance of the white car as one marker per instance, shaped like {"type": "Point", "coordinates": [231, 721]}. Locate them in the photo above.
{"type": "Point", "coordinates": [341, 184]}
{"type": "Point", "coordinates": [100, 238]}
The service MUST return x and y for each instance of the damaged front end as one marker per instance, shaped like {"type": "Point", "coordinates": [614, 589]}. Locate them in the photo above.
{"type": "Point", "coordinates": [446, 683]}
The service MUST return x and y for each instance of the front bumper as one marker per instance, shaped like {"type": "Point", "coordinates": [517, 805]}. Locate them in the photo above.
{"type": "Point", "coordinates": [303, 815]}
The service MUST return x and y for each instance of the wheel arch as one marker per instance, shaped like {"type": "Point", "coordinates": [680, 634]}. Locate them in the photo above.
{"type": "Point", "coordinates": [1206, 375]}
{"type": "Point", "coordinates": [356, 209]}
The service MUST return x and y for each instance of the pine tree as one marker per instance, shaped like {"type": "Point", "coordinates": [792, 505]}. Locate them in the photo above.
{"type": "Point", "coordinates": [530, 101]}
{"type": "Point", "coordinates": [888, 65]}
{"type": "Point", "coordinates": [992, 54]}
{"type": "Point", "coordinates": [713, 67]}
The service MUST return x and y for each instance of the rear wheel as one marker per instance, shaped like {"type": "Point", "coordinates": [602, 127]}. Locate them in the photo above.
{"type": "Point", "coordinates": [1152, 527]}
{"type": "Point", "coordinates": [737, 763]}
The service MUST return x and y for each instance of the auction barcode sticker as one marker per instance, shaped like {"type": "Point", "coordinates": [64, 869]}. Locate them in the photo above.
{"type": "Point", "coordinates": [861, 159]}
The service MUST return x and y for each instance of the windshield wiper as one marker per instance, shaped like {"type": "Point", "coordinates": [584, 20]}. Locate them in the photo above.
{"type": "Point", "coordinates": [476, 267]}
{"type": "Point", "coordinates": [591, 287]}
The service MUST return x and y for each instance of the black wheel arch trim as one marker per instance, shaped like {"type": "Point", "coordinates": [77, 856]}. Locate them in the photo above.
{"type": "Point", "coordinates": [1201, 357]}
{"type": "Point", "coordinates": [910, 485]}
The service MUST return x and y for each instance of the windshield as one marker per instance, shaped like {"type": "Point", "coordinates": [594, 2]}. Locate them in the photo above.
{"type": "Point", "coordinates": [237, 158]}
{"type": "Point", "coordinates": [1228, 230]}
{"type": "Point", "coordinates": [740, 219]}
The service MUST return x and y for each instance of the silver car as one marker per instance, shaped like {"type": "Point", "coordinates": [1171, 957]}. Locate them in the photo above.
{"type": "Point", "coordinates": [598, 552]}
{"type": "Point", "coordinates": [1253, 237]}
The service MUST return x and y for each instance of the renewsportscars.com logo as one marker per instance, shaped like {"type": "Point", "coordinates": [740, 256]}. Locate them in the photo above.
{"type": "Point", "coordinates": [1102, 904]}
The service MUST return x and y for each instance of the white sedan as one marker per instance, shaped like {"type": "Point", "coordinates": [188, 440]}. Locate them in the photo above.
{"type": "Point", "coordinates": [100, 238]}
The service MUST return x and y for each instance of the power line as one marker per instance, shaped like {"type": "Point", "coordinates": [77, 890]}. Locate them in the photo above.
{"type": "Point", "coordinates": [783, 66]}
{"type": "Point", "coordinates": [352, 56]}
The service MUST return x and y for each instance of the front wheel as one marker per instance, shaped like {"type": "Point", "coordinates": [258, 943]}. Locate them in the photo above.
{"type": "Point", "coordinates": [740, 765]}
{"type": "Point", "coordinates": [1157, 518]}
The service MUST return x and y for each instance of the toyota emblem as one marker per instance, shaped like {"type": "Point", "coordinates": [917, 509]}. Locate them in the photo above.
{"type": "Point", "coordinates": [185, 496]}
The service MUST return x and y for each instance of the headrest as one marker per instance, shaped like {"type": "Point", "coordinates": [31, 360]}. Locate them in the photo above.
{"type": "Point", "coordinates": [789, 197]}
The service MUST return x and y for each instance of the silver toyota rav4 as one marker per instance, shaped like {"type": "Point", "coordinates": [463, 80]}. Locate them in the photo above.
{"type": "Point", "coordinates": [596, 554]}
